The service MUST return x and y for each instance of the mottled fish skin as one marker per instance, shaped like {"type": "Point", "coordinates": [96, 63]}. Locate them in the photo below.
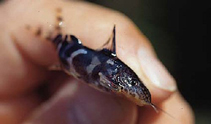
{"type": "Point", "coordinates": [101, 69]}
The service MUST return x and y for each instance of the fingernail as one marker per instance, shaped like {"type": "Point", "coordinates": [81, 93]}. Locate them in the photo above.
{"type": "Point", "coordinates": [155, 70]}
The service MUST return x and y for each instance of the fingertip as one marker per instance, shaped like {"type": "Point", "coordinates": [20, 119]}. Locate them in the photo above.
{"type": "Point", "coordinates": [135, 50]}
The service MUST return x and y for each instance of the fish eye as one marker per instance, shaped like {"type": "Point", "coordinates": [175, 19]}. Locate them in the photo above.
{"type": "Point", "coordinates": [133, 83]}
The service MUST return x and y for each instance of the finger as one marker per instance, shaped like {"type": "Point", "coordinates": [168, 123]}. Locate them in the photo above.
{"type": "Point", "coordinates": [14, 111]}
{"type": "Point", "coordinates": [77, 103]}
{"type": "Point", "coordinates": [18, 74]}
{"type": "Point", "coordinates": [177, 112]}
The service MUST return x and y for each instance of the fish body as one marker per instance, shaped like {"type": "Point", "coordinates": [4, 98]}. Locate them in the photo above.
{"type": "Point", "coordinates": [101, 69]}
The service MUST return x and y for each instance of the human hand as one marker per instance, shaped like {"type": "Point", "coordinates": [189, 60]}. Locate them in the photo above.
{"type": "Point", "coordinates": [24, 62]}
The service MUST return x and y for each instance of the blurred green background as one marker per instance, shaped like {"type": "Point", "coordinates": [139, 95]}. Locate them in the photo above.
{"type": "Point", "coordinates": [179, 31]}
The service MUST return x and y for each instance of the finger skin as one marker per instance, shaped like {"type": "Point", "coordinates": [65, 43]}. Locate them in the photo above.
{"type": "Point", "coordinates": [93, 25]}
{"type": "Point", "coordinates": [14, 111]}
{"type": "Point", "coordinates": [76, 103]}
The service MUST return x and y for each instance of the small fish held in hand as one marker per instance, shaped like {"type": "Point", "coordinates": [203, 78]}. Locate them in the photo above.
{"type": "Point", "coordinates": [101, 69]}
